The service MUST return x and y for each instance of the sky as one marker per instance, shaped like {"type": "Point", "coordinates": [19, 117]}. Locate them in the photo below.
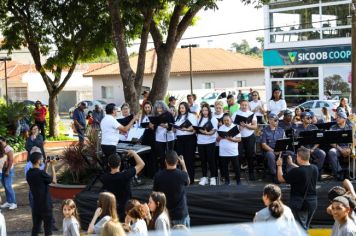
{"type": "Point", "coordinates": [232, 16]}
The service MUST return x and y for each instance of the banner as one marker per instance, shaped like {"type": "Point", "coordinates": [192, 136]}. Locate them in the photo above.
{"type": "Point", "coordinates": [308, 55]}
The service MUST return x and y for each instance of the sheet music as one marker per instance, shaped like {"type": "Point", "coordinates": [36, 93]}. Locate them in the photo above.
{"type": "Point", "coordinates": [135, 133]}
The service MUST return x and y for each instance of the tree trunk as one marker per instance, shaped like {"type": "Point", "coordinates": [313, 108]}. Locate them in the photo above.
{"type": "Point", "coordinates": [161, 78]}
{"type": "Point", "coordinates": [53, 115]}
{"type": "Point", "coordinates": [130, 92]}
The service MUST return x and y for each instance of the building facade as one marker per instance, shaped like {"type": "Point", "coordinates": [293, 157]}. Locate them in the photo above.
{"type": "Point", "coordinates": [308, 49]}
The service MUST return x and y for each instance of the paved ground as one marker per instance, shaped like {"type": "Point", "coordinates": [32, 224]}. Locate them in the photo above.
{"type": "Point", "coordinates": [19, 221]}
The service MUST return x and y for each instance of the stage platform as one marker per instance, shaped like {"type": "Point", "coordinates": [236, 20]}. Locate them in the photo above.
{"type": "Point", "coordinates": [221, 204]}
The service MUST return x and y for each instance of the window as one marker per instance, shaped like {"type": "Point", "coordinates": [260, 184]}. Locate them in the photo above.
{"type": "Point", "coordinates": [295, 72]}
{"type": "Point", "coordinates": [240, 83]}
{"type": "Point", "coordinates": [300, 90]}
{"type": "Point", "coordinates": [208, 85]}
{"type": "Point", "coordinates": [307, 105]}
{"type": "Point", "coordinates": [321, 104]}
{"type": "Point", "coordinates": [337, 81]}
{"type": "Point", "coordinates": [17, 94]}
{"type": "Point", "coordinates": [107, 92]}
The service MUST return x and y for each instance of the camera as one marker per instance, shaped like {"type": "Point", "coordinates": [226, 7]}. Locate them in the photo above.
{"type": "Point", "coordinates": [53, 158]}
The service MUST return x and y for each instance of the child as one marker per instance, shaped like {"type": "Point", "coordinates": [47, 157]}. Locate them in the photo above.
{"type": "Point", "coordinates": [71, 218]}
{"type": "Point", "coordinates": [90, 118]}
{"type": "Point", "coordinates": [343, 225]}
{"type": "Point", "coordinates": [160, 219]}
{"type": "Point", "coordinates": [137, 215]}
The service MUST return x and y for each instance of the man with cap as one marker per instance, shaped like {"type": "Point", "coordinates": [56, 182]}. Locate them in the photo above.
{"type": "Point", "coordinates": [270, 135]}
{"type": "Point", "coordinates": [80, 121]}
{"type": "Point", "coordinates": [341, 151]}
{"type": "Point", "coordinates": [317, 155]}
{"type": "Point", "coordinates": [286, 123]}
{"type": "Point", "coordinates": [340, 209]}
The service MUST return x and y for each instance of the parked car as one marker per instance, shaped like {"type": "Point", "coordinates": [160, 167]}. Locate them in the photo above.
{"type": "Point", "coordinates": [90, 106]}
{"type": "Point", "coordinates": [316, 105]}
{"type": "Point", "coordinates": [213, 96]}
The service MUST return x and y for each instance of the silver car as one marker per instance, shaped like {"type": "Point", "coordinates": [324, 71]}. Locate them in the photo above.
{"type": "Point", "coordinates": [316, 105]}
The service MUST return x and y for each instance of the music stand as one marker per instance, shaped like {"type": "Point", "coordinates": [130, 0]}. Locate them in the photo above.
{"type": "Point", "coordinates": [282, 144]}
{"type": "Point", "coordinates": [325, 126]}
{"type": "Point", "coordinates": [338, 136]}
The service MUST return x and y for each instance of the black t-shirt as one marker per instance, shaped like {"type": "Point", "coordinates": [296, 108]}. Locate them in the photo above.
{"type": "Point", "coordinates": [173, 183]}
{"type": "Point", "coordinates": [299, 178]}
{"type": "Point", "coordinates": [119, 184]}
{"type": "Point", "coordinates": [38, 180]}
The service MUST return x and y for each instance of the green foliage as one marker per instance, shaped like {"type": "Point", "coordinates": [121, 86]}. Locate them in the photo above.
{"type": "Point", "coordinates": [10, 115]}
{"type": "Point", "coordinates": [66, 177]}
{"type": "Point", "coordinates": [244, 48]}
{"type": "Point", "coordinates": [17, 143]}
{"type": "Point", "coordinates": [61, 137]}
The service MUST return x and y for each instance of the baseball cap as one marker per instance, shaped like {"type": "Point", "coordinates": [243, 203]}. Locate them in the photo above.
{"type": "Point", "coordinates": [287, 112]}
{"type": "Point", "coordinates": [305, 114]}
{"type": "Point", "coordinates": [343, 200]}
{"type": "Point", "coordinates": [342, 114]}
{"type": "Point", "coordinates": [171, 98]}
{"type": "Point", "coordinates": [273, 116]}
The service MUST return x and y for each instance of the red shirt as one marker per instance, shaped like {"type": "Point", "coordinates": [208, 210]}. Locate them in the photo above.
{"type": "Point", "coordinates": [40, 114]}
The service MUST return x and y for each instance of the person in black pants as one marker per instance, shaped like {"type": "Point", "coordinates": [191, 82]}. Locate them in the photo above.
{"type": "Point", "coordinates": [39, 181]}
{"type": "Point", "coordinates": [302, 178]}
{"type": "Point", "coordinates": [186, 138]}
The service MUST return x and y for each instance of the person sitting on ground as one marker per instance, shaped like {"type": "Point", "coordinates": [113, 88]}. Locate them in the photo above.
{"type": "Point", "coordinates": [71, 218]}
{"type": "Point", "coordinates": [343, 225]}
{"type": "Point", "coordinates": [105, 212]}
{"type": "Point", "coordinates": [113, 228]}
{"type": "Point", "coordinates": [160, 219]}
{"type": "Point", "coordinates": [39, 182]}
{"type": "Point", "coordinates": [275, 210]}
{"type": "Point", "coordinates": [119, 182]}
{"type": "Point", "coordinates": [172, 182]}
{"type": "Point", "coordinates": [138, 223]}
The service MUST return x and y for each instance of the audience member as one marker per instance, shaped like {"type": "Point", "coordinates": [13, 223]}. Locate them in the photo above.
{"type": "Point", "coordinates": [35, 140]}
{"type": "Point", "coordinates": [160, 219]}
{"type": "Point", "coordinates": [302, 178]}
{"type": "Point", "coordinates": [39, 181]}
{"type": "Point", "coordinates": [297, 116]}
{"type": "Point", "coordinates": [71, 218]}
{"type": "Point", "coordinates": [113, 228]}
{"type": "Point", "coordinates": [325, 117]}
{"type": "Point", "coordinates": [98, 115]}
{"type": "Point", "coordinates": [2, 225]}
{"type": "Point", "coordinates": [343, 225]}
{"type": "Point", "coordinates": [39, 114]}
{"type": "Point", "coordinates": [80, 121]}
{"type": "Point", "coordinates": [277, 104]}
{"type": "Point", "coordinates": [8, 172]}
{"type": "Point", "coordinates": [172, 182]}
{"type": "Point", "coordinates": [105, 212]}
{"type": "Point", "coordinates": [119, 182]}
{"type": "Point", "coordinates": [345, 106]}
{"type": "Point", "coordinates": [138, 224]}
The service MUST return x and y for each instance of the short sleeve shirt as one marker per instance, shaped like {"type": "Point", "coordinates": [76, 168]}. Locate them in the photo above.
{"type": "Point", "coordinates": [207, 139]}
{"type": "Point", "coordinates": [302, 179]}
{"type": "Point", "coordinates": [270, 137]}
{"type": "Point", "coordinates": [109, 129]}
{"type": "Point", "coordinates": [78, 115]}
{"type": "Point", "coordinates": [228, 148]}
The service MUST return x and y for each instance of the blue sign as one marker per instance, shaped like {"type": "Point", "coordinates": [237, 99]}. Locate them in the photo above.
{"type": "Point", "coordinates": [309, 55]}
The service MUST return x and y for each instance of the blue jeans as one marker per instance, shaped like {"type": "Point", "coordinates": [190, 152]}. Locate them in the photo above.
{"type": "Point", "coordinates": [184, 221]}
{"type": "Point", "coordinates": [7, 183]}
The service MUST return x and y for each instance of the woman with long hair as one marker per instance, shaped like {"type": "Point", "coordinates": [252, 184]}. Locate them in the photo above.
{"type": "Point", "coordinates": [113, 228]}
{"type": "Point", "coordinates": [275, 210]}
{"type": "Point", "coordinates": [297, 119]}
{"type": "Point", "coordinates": [218, 114]}
{"type": "Point", "coordinates": [105, 212]}
{"type": "Point", "coordinates": [257, 107]}
{"type": "Point", "coordinates": [164, 136]}
{"type": "Point", "coordinates": [125, 112]}
{"type": "Point", "coordinates": [206, 139]}
{"type": "Point", "coordinates": [277, 105]}
{"type": "Point", "coordinates": [158, 207]}
{"type": "Point", "coordinates": [35, 140]}
{"type": "Point", "coordinates": [345, 106]}
{"type": "Point", "coordinates": [325, 117]}
{"type": "Point", "coordinates": [186, 138]}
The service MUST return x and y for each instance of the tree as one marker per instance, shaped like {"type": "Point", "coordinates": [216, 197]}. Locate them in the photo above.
{"type": "Point", "coordinates": [65, 32]}
{"type": "Point", "coordinates": [166, 21]}
{"type": "Point", "coordinates": [244, 48]}
{"type": "Point", "coordinates": [336, 83]}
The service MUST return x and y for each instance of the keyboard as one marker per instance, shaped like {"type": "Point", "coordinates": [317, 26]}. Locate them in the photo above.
{"type": "Point", "coordinates": [138, 148]}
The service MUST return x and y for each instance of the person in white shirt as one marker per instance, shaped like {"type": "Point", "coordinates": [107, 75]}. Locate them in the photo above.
{"type": "Point", "coordinates": [218, 114]}
{"type": "Point", "coordinates": [137, 219]}
{"type": "Point", "coordinates": [208, 126]}
{"type": "Point", "coordinates": [193, 106]}
{"type": "Point", "coordinates": [164, 136]}
{"type": "Point", "coordinates": [248, 138]}
{"type": "Point", "coordinates": [186, 139]}
{"type": "Point", "coordinates": [125, 112]}
{"type": "Point", "coordinates": [276, 104]}
{"type": "Point", "coordinates": [340, 209]}
{"type": "Point", "coordinates": [110, 131]}
{"type": "Point", "coordinates": [257, 107]}
{"type": "Point", "coordinates": [229, 150]}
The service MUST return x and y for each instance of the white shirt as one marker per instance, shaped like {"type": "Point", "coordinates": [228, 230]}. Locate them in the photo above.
{"type": "Point", "coordinates": [207, 139]}
{"type": "Point", "coordinates": [163, 135]}
{"type": "Point", "coordinates": [195, 108]}
{"type": "Point", "coordinates": [109, 130]}
{"type": "Point", "coordinates": [277, 107]}
{"type": "Point", "coordinates": [2, 225]}
{"type": "Point", "coordinates": [218, 117]}
{"type": "Point", "coordinates": [139, 228]}
{"type": "Point", "coordinates": [191, 117]}
{"type": "Point", "coordinates": [227, 147]}
{"type": "Point", "coordinates": [245, 132]}
{"type": "Point", "coordinates": [254, 104]}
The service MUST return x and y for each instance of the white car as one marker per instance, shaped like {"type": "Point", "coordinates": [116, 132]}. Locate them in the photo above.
{"type": "Point", "coordinates": [90, 106]}
{"type": "Point", "coordinates": [316, 105]}
{"type": "Point", "coordinates": [212, 97]}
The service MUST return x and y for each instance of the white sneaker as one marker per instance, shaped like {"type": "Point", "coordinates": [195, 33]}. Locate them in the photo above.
{"type": "Point", "coordinates": [13, 206]}
{"type": "Point", "coordinates": [204, 181]}
{"type": "Point", "coordinates": [5, 205]}
{"type": "Point", "coordinates": [213, 181]}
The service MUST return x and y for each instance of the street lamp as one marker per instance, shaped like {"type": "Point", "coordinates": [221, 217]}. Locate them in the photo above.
{"type": "Point", "coordinates": [190, 46]}
{"type": "Point", "coordinates": [5, 59]}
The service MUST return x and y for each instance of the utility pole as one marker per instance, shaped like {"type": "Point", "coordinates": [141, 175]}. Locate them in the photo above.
{"type": "Point", "coordinates": [5, 59]}
{"type": "Point", "coordinates": [190, 46]}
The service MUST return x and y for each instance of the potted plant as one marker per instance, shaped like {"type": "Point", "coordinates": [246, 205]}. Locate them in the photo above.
{"type": "Point", "coordinates": [79, 166]}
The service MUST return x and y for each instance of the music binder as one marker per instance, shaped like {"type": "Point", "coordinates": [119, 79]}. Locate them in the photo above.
{"type": "Point", "coordinates": [126, 120]}
{"type": "Point", "coordinates": [282, 144]}
{"type": "Point", "coordinates": [231, 133]}
{"type": "Point", "coordinates": [161, 119]}
{"type": "Point", "coordinates": [144, 125]}
{"type": "Point", "coordinates": [186, 124]}
{"type": "Point", "coordinates": [135, 133]}
{"type": "Point", "coordinates": [247, 120]}
{"type": "Point", "coordinates": [325, 126]}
